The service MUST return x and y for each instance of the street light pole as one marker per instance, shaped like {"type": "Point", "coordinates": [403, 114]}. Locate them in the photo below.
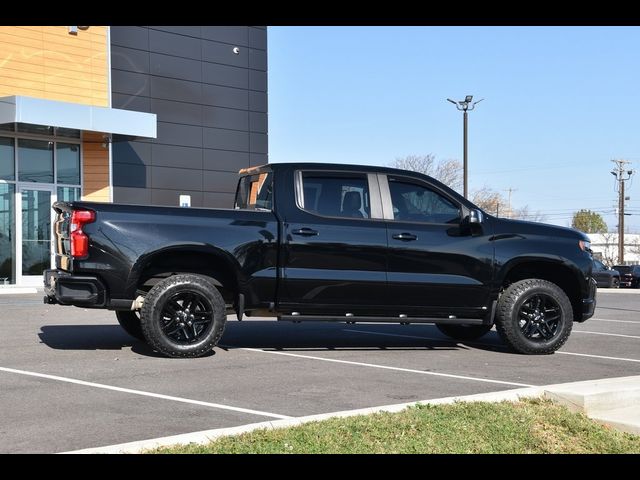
{"type": "Point", "coordinates": [465, 166]}
{"type": "Point", "coordinates": [464, 106]}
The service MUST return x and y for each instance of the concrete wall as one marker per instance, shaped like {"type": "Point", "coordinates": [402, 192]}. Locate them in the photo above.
{"type": "Point", "coordinates": [211, 105]}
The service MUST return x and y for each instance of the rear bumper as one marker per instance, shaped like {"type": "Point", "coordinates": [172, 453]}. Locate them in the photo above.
{"type": "Point", "coordinates": [79, 290]}
{"type": "Point", "coordinates": [589, 303]}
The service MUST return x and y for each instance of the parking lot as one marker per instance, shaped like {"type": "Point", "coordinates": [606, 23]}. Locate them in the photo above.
{"type": "Point", "coordinates": [72, 378]}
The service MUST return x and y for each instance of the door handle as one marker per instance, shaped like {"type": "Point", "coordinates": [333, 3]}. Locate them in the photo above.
{"type": "Point", "coordinates": [405, 237]}
{"type": "Point", "coordinates": [305, 232]}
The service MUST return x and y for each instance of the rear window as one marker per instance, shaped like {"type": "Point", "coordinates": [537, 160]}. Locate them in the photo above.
{"type": "Point", "coordinates": [255, 192]}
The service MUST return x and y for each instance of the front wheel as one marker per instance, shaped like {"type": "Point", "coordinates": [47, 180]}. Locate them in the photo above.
{"type": "Point", "coordinates": [183, 316]}
{"type": "Point", "coordinates": [464, 332]}
{"type": "Point", "coordinates": [534, 316]}
{"type": "Point", "coordinates": [615, 283]}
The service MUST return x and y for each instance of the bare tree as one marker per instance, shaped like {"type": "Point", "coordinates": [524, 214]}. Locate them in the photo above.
{"type": "Point", "coordinates": [448, 171]}
{"type": "Point", "coordinates": [525, 214]}
{"type": "Point", "coordinates": [490, 201]}
{"type": "Point", "coordinates": [610, 250]}
{"type": "Point", "coordinates": [635, 246]}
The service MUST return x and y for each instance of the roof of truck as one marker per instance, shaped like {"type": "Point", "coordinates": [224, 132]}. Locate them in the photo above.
{"type": "Point", "coordinates": [323, 166]}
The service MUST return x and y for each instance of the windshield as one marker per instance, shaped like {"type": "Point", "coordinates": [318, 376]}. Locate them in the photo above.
{"type": "Point", "coordinates": [623, 268]}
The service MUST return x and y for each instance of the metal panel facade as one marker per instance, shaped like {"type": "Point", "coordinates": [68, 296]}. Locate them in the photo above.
{"type": "Point", "coordinates": [211, 105]}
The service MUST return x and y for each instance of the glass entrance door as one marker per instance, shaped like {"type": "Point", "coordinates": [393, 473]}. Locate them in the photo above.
{"type": "Point", "coordinates": [34, 248]}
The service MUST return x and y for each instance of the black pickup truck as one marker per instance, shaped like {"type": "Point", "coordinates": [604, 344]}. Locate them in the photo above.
{"type": "Point", "coordinates": [321, 242]}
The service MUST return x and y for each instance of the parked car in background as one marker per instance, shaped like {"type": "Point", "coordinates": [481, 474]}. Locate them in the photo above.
{"type": "Point", "coordinates": [629, 275]}
{"type": "Point", "coordinates": [604, 276]}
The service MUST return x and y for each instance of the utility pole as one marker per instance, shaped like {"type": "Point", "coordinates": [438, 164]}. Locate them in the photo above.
{"type": "Point", "coordinates": [622, 174]}
{"type": "Point", "coordinates": [509, 207]}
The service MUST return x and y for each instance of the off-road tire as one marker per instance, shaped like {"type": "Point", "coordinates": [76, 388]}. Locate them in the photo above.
{"type": "Point", "coordinates": [157, 323]}
{"type": "Point", "coordinates": [129, 320]}
{"type": "Point", "coordinates": [464, 332]}
{"type": "Point", "coordinates": [509, 316]}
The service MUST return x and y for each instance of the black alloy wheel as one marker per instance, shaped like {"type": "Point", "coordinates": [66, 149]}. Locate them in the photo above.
{"type": "Point", "coordinates": [539, 317]}
{"type": "Point", "coordinates": [534, 316]}
{"type": "Point", "coordinates": [183, 316]}
{"type": "Point", "coordinates": [186, 317]}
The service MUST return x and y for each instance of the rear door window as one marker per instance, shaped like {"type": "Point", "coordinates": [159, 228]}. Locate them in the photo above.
{"type": "Point", "coordinates": [335, 194]}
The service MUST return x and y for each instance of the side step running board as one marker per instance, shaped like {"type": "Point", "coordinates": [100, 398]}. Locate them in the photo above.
{"type": "Point", "coordinates": [354, 318]}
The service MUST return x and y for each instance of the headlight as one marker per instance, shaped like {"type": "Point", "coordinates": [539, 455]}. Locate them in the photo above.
{"type": "Point", "coordinates": [584, 246]}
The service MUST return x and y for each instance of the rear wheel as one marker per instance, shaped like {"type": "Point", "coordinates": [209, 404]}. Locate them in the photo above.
{"type": "Point", "coordinates": [464, 332]}
{"type": "Point", "coordinates": [183, 316]}
{"type": "Point", "coordinates": [129, 320]}
{"type": "Point", "coordinates": [534, 316]}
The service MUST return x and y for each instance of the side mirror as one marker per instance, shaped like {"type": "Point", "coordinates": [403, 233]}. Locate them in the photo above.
{"type": "Point", "coordinates": [472, 223]}
{"type": "Point", "coordinates": [476, 217]}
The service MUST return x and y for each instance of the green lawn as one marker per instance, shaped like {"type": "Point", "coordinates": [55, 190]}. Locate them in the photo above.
{"type": "Point", "coordinates": [531, 426]}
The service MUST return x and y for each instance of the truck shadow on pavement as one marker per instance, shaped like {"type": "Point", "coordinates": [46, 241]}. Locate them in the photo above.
{"type": "Point", "coordinates": [322, 336]}
{"type": "Point", "coordinates": [92, 337]}
{"type": "Point", "coordinates": [276, 335]}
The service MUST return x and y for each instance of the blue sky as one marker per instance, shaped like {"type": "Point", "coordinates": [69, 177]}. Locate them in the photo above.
{"type": "Point", "coordinates": [560, 103]}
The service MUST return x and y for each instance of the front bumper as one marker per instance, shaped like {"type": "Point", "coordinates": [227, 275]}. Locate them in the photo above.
{"type": "Point", "coordinates": [68, 289]}
{"type": "Point", "coordinates": [589, 303]}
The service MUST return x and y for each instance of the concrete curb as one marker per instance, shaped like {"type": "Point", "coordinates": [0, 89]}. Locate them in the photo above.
{"type": "Point", "coordinates": [617, 291]}
{"type": "Point", "coordinates": [17, 290]}
{"type": "Point", "coordinates": [206, 436]}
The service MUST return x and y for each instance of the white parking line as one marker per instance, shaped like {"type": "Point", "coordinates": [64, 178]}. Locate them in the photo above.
{"type": "Point", "coordinates": [610, 320]}
{"type": "Point", "coordinates": [620, 359]}
{"type": "Point", "coordinates": [140, 392]}
{"type": "Point", "coordinates": [385, 367]}
{"type": "Point", "coordinates": [609, 334]}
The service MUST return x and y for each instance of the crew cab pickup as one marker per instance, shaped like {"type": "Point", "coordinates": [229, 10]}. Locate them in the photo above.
{"type": "Point", "coordinates": [323, 242]}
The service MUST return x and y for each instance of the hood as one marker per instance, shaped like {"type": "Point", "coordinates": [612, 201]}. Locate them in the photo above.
{"type": "Point", "coordinates": [506, 225]}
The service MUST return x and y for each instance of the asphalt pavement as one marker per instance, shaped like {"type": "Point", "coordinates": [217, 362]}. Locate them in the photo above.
{"type": "Point", "coordinates": [71, 378]}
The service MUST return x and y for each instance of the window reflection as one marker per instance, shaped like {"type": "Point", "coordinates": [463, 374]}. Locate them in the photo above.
{"type": "Point", "coordinates": [68, 194]}
{"type": "Point", "coordinates": [35, 161]}
{"type": "Point", "coordinates": [7, 159]}
{"type": "Point", "coordinates": [68, 157]}
{"type": "Point", "coordinates": [7, 252]}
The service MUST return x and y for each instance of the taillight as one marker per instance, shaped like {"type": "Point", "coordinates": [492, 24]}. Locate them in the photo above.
{"type": "Point", "coordinates": [79, 239]}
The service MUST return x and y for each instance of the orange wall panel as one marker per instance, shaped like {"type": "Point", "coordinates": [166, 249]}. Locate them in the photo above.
{"type": "Point", "coordinates": [48, 62]}
{"type": "Point", "coordinates": [95, 168]}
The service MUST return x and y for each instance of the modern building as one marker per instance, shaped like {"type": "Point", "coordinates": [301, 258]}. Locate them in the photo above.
{"type": "Point", "coordinates": [143, 115]}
